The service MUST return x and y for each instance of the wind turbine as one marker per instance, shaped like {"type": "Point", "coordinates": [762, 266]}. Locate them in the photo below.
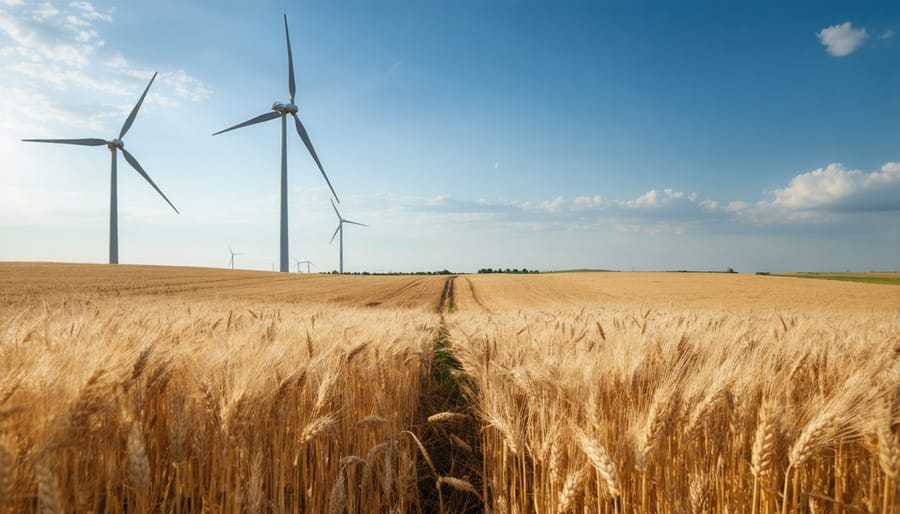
{"type": "Point", "coordinates": [114, 145]}
{"type": "Point", "coordinates": [233, 253]}
{"type": "Point", "coordinates": [299, 262]}
{"type": "Point", "coordinates": [283, 110]}
{"type": "Point", "coordinates": [340, 228]}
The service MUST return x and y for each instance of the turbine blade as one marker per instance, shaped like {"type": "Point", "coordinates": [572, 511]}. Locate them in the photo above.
{"type": "Point", "coordinates": [312, 151]}
{"type": "Point", "coordinates": [82, 142]}
{"type": "Point", "coordinates": [291, 86]}
{"type": "Point", "coordinates": [335, 233]}
{"type": "Point", "coordinates": [259, 119]}
{"type": "Point", "coordinates": [134, 111]}
{"type": "Point", "coordinates": [134, 164]}
{"type": "Point", "coordinates": [356, 223]}
{"type": "Point", "coordinates": [335, 209]}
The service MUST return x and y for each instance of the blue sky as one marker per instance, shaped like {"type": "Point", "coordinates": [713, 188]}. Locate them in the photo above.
{"type": "Point", "coordinates": [761, 136]}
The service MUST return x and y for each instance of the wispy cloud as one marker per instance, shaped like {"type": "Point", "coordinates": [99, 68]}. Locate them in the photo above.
{"type": "Point", "coordinates": [887, 34]}
{"type": "Point", "coordinates": [58, 48]}
{"type": "Point", "coordinates": [842, 40]}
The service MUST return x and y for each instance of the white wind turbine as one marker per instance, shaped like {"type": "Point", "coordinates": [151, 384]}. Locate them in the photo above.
{"type": "Point", "coordinates": [283, 110]}
{"type": "Point", "coordinates": [114, 145]}
{"type": "Point", "coordinates": [233, 253]}
{"type": "Point", "coordinates": [340, 228]}
{"type": "Point", "coordinates": [299, 262]}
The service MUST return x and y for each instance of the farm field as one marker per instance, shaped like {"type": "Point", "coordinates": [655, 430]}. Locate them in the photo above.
{"type": "Point", "coordinates": [871, 278]}
{"type": "Point", "coordinates": [148, 389]}
{"type": "Point", "coordinates": [22, 282]}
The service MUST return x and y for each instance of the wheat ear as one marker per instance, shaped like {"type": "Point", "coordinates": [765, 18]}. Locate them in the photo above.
{"type": "Point", "coordinates": [764, 441]}
{"type": "Point", "coordinates": [48, 488]}
{"type": "Point", "coordinates": [138, 464]}
{"type": "Point", "coordinates": [569, 490]}
{"type": "Point", "coordinates": [600, 459]}
{"type": "Point", "coordinates": [460, 485]}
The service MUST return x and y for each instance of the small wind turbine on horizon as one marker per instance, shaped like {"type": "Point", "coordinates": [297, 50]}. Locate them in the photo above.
{"type": "Point", "coordinates": [340, 228]}
{"type": "Point", "coordinates": [233, 253]}
{"type": "Point", "coordinates": [283, 110]}
{"type": "Point", "coordinates": [114, 146]}
{"type": "Point", "coordinates": [299, 262]}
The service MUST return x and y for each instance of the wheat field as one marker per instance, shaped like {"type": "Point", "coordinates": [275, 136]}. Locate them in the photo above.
{"type": "Point", "coordinates": [152, 389]}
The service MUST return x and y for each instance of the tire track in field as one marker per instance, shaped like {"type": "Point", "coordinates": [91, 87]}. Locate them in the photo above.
{"type": "Point", "coordinates": [449, 449]}
{"type": "Point", "coordinates": [475, 296]}
{"type": "Point", "coordinates": [446, 302]}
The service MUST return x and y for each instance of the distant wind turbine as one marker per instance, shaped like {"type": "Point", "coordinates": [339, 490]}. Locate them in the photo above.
{"type": "Point", "coordinates": [283, 110]}
{"type": "Point", "coordinates": [114, 145]}
{"type": "Point", "coordinates": [340, 228]}
{"type": "Point", "coordinates": [299, 262]}
{"type": "Point", "coordinates": [233, 253]}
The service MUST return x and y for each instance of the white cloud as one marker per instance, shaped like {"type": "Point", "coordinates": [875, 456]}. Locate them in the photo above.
{"type": "Point", "coordinates": [186, 86]}
{"type": "Point", "coordinates": [57, 49]}
{"type": "Point", "coordinates": [587, 202]}
{"type": "Point", "coordinates": [837, 187]}
{"type": "Point", "coordinates": [888, 34]}
{"type": "Point", "coordinates": [553, 205]}
{"type": "Point", "coordinates": [842, 40]}
{"type": "Point", "coordinates": [77, 22]}
{"type": "Point", "coordinates": [45, 117]}
{"type": "Point", "coordinates": [819, 197]}
{"type": "Point", "coordinates": [90, 12]}
{"type": "Point", "coordinates": [46, 10]}
{"type": "Point", "coordinates": [648, 199]}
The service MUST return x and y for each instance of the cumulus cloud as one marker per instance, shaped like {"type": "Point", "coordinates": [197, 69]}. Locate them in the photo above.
{"type": "Point", "coordinates": [818, 197]}
{"type": "Point", "coordinates": [837, 188]}
{"type": "Point", "coordinates": [842, 40]}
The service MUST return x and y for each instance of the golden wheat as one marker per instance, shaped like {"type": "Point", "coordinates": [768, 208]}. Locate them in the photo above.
{"type": "Point", "coordinates": [144, 389]}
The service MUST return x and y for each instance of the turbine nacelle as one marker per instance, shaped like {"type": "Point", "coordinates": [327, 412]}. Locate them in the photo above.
{"type": "Point", "coordinates": [290, 108]}
{"type": "Point", "coordinates": [115, 143]}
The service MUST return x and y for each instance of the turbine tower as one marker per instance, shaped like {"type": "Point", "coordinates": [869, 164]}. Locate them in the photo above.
{"type": "Point", "coordinates": [233, 253]}
{"type": "Point", "coordinates": [280, 110]}
{"type": "Point", "coordinates": [114, 146]}
{"type": "Point", "coordinates": [299, 262]}
{"type": "Point", "coordinates": [340, 228]}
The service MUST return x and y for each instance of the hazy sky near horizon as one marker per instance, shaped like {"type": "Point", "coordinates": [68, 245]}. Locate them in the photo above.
{"type": "Point", "coordinates": [762, 136]}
